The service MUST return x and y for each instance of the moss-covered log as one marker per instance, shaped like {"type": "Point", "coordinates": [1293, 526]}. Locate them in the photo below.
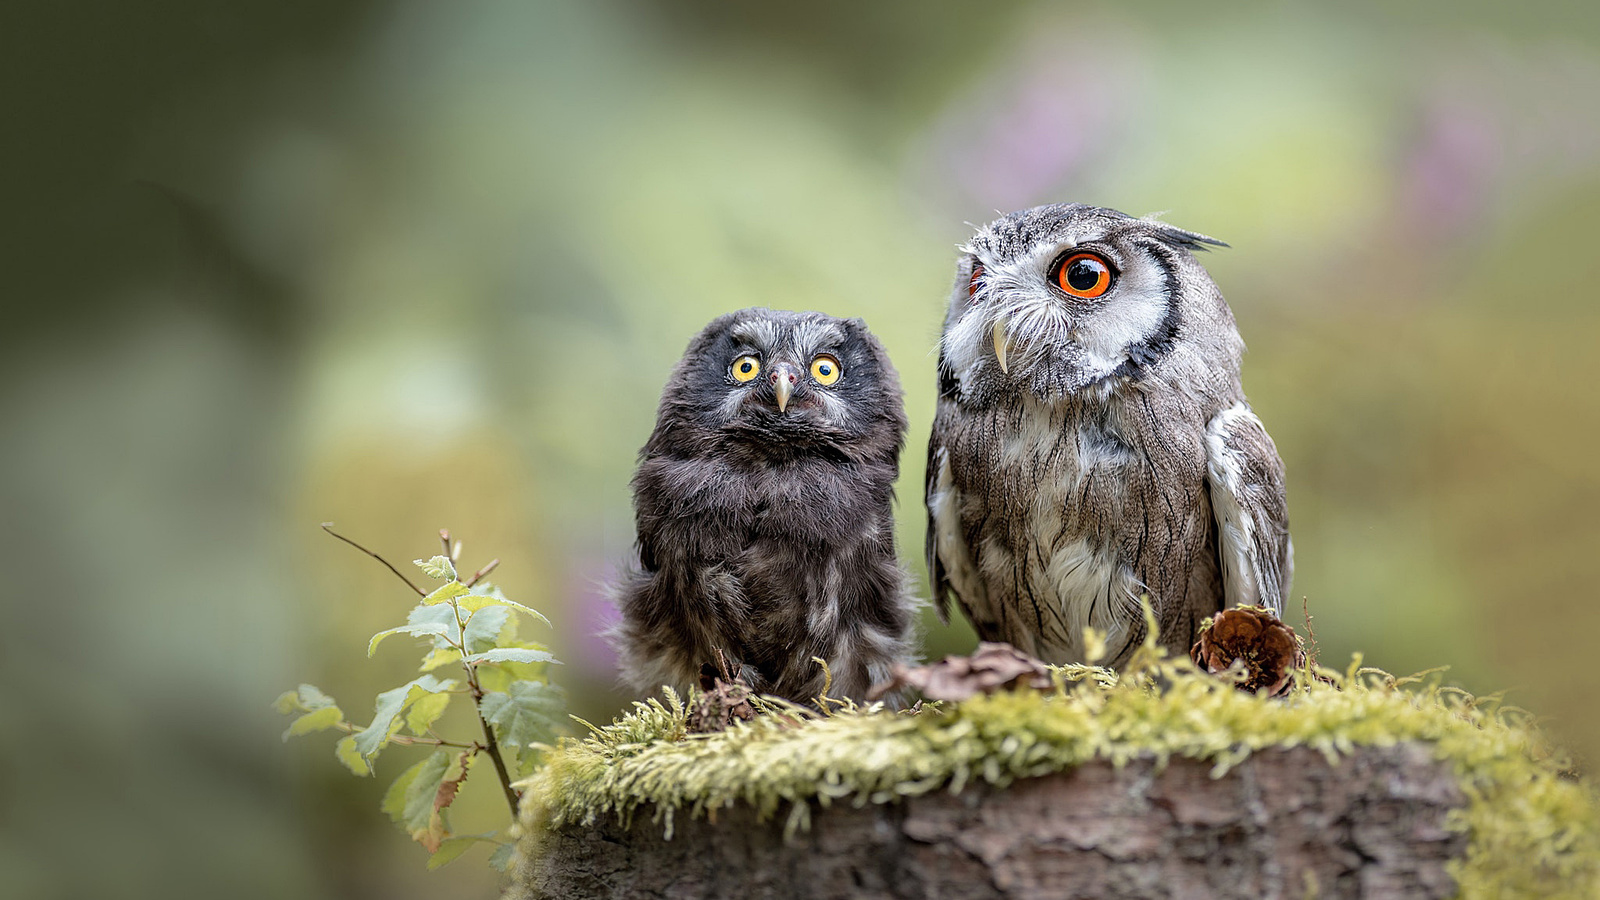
{"type": "Point", "coordinates": [1284, 823]}
{"type": "Point", "coordinates": [1161, 782]}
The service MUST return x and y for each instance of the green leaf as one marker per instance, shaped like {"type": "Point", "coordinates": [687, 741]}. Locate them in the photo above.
{"type": "Point", "coordinates": [420, 629]}
{"type": "Point", "coordinates": [314, 698]}
{"type": "Point", "coordinates": [484, 628]}
{"type": "Point", "coordinates": [387, 710]}
{"type": "Point", "coordinates": [450, 591]}
{"type": "Point", "coordinates": [485, 595]}
{"type": "Point", "coordinates": [439, 656]}
{"type": "Point", "coordinates": [488, 589]}
{"type": "Point", "coordinates": [305, 698]}
{"type": "Point", "coordinates": [501, 858]}
{"type": "Point", "coordinates": [525, 609]}
{"type": "Point", "coordinates": [347, 753]}
{"type": "Point", "coordinates": [438, 567]}
{"type": "Point", "coordinates": [454, 847]}
{"type": "Point", "coordinates": [508, 634]}
{"type": "Point", "coordinates": [529, 711]}
{"type": "Point", "coordinates": [444, 615]}
{"type": "Point", "coordinates": [512, 654]}
{"type": "Point", "coordinates": [425, 711]}
{"type": "Point", "coordinates": [419, 799]}
{"type": "Point", "coordinates": [475, 602]}
{"type": "Point", "coordinates": [410, 799]}
{"type": "Point", "coordinates": [316, 720]}
{"type": "Point", "coordinates": [500, 676]}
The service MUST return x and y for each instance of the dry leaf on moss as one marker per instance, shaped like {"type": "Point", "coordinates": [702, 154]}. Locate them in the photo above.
{"type": "Point", "coordinates": [992, 667]}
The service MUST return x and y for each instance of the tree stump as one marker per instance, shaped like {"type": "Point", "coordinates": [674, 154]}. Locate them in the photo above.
{"type": "Point", "coordinates": [1284, 823]}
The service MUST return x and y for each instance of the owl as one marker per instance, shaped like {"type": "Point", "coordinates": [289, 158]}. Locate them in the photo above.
{"type": "Point", "coordinates": [1092, 443]}
{"type": "Point", "coordinates": [762, 504]}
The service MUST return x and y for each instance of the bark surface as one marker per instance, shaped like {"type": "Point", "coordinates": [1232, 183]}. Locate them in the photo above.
{"type": "Point", "coordinates": [1285, 823]}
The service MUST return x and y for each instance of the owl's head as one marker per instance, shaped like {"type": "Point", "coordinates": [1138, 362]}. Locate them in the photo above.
{"type": "Point", "coordinates": [779, 383]}
{"type": "Point", "coordinates": [1059, 299]}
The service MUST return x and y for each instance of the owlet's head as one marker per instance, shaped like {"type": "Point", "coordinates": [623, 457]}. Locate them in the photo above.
{"type": "Point", "coordinates": [780, 383]}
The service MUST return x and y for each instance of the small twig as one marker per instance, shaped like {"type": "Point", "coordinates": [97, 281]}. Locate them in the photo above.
{"type": "Point", "coordinates": [487, 568]}
{"type": "Point", "coordinates": [328, 527]}
{"type": "Point", "coordinates": [490, 745]}
{"type": "Point", "coordinates": [1311, 634]}
{"type": "Point", "coordinates": [452, 549]}
{"type": "Point", "coordinates": [409, 740]}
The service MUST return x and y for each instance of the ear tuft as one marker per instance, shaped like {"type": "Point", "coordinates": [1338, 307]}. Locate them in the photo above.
{"type": "Point", "coordinates": [1179, 237]}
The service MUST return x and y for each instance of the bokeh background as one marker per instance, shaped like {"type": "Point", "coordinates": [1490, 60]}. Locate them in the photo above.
{"type": "Point", "coordinates": [405, 266]}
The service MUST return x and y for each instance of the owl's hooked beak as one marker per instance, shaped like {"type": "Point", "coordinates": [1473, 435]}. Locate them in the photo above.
{"type": "Point", "coordinates": [1000, 343]}
{"type": "Point", "coordinates": [784, 377]}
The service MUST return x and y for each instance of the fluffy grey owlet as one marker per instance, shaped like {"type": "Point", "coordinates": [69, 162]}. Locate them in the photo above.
{"type": "Point", "coordinates": [763, 510]}
{"type": "Point", "coordinates": [1092, 442]}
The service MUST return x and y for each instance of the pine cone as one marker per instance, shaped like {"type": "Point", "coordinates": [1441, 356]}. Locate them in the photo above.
{"type": "Point", "coordinates": [1255, 638]}
{"type": "Point", "coordinates": [992, 667]}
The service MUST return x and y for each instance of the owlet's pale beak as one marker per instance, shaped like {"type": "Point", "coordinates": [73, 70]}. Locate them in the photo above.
{"type": "Point", "coordinates": [1001, 341]}
{"type": "Point", "coordinates": [784, 377]}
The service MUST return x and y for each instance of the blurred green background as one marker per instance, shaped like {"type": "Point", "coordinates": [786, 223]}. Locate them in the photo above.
{"type": "Point", "coordinates": [405, 266]}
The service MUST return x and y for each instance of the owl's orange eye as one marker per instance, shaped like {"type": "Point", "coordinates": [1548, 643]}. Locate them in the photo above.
{"type": "Point", "coordinates": [745, 368]}
{"type": "Point", "coordinates": [1084, 275]}
{"type": "Point", "coordinates": [977, 276]}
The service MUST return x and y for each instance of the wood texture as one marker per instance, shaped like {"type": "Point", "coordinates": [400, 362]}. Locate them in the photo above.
{"type": "Point", "coordinates": [1284, 823]}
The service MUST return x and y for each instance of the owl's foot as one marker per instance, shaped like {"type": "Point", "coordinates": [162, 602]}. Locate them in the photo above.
{"type": "Point", "coordinates": [725, 698]}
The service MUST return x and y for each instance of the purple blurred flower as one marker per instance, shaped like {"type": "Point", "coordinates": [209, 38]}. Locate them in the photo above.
{"type": "Point", "coordinates": [1027, 130]}
{"type": "Point", "coordinates": [590, 615]}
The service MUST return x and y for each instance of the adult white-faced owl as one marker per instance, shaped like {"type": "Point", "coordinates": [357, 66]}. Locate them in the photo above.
{"type": "Point", "coordinates": [1092, 442]}
{"type": "Point", "coordinates": [762, 502]}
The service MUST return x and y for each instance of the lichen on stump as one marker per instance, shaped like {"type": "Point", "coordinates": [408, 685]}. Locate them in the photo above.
{"type": "Point", "coordinates": [1161, 782]}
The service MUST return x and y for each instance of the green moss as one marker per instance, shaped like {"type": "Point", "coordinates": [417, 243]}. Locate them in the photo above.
{"type": "Point", "coordinates": [1532, 830]}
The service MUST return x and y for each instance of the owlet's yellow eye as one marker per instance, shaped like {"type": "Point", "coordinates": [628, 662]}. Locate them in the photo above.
{"type": "Point", "coordinates": [746, 368]}
{"type": "Point", "coordinates": [825, 369]}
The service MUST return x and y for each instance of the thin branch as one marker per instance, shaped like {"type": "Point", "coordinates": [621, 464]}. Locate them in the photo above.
{"type": "Point", "coordinates": [487, 568]}
{"type": "Point", "coordinates": [452, 549]}
{"type": "Point", "coordinates": [490, 745]}
{"type": "Point", "coordinates": [405, 739]}
{"type": "Point", "coordinates": [1311, 644]}
{"type": "Point", "coordinates": [408, 740]}
{"type": "Point", "coordinates": [328, 527]}
{"type": "Point", "coordinates": [493, 747]}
